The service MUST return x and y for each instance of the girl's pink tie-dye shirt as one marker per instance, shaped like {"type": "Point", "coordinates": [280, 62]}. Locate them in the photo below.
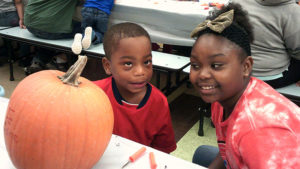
{"type": "Point", "coordinates": [263, 131]}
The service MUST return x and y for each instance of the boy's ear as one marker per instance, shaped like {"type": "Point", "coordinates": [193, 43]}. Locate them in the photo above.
{"type": "Point", "coordinates": [106, 65]}
{"type": "Point", "coordinates": [247, 66]}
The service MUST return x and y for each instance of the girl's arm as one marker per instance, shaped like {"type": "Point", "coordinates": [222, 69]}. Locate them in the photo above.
{"type": "Point", "coordinates": [218, 163]}
{"type": "Point", "coordinates": [20, 10]}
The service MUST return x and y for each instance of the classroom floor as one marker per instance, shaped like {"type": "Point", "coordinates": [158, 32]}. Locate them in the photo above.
{"type": "Point", "coordinates": [183, 109]}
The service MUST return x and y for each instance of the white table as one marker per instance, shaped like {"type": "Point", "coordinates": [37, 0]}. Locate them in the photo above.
{"type": "Point", "coordinates": [115, 156]}
{"type": "Point", "coordinates": [167, 21]}
{"type": "Point", "coordinates": [3, 27]}
{"type": "Point", "coordinates": [290, 90]}
{"type": "Point", "coordinates": [160, 59]}
{"type": "Point", "coordinates": [163, 60]}
{"type": "Point", "coordinates": [23, 35]}
{"type": "Point", "coordinates": [187, 69]}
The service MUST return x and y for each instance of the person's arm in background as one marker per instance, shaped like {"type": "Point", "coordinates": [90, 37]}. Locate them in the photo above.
{"type": "Point", "coordinates": [218, 163]}
{"type": "Point", "coordinates": [20, 10]}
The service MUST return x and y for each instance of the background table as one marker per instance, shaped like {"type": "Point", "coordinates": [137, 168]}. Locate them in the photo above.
{"type": "Point", "coordinates": [3, 27]}
{"type": "Point", "coordinates": [167, 21]}
{"type": "Point", "coordinates": [162, 62]}
{"type": "Point", "coordinates": [115, 156]}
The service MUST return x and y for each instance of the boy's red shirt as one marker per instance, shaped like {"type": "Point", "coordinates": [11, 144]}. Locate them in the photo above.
{"type": "Point", "coordinates": [149, 125]}
{"type": "Point", "coordinates": [263, 131]}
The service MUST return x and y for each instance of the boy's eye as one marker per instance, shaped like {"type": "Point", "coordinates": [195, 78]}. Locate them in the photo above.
{"type": "Point", "coordinates": [128, 64]}
{"type": "Point", "coordinates": [148, 62]}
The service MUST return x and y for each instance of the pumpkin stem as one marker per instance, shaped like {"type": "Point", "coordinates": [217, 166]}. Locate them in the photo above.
{"type": "Point", "coordinates": [72, 75]}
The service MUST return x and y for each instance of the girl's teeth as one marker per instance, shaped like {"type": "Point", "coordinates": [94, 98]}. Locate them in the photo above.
{"type": "Point", "coordinates": [207, 87]}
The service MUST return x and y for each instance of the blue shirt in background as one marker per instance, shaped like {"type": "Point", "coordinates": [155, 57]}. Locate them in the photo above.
{"type": "Point", "coordinates": [103, 5]}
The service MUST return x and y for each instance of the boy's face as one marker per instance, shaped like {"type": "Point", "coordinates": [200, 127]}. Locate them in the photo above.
{"type": "Point", "coordinates": [217, 71]}
{"type": "Point", "coordinates": [131, 65]}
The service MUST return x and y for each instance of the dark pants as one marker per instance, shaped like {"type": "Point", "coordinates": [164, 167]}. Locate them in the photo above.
{"type": "Point", "coordinates": [96, 19]}
{"type": "Point", "coordinates": [290, 76]}
{"type": "Point", "coordinates": [205, 155]}
{"type": "Point", "coordinates": [10, 19]}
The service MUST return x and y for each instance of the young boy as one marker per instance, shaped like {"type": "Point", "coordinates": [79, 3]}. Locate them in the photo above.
{"type": "Point", "coordinates": [256, 127]}
{"type": "Point", "coordinates": [141, 111]}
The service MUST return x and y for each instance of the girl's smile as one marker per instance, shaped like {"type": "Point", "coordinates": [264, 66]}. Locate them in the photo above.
{"type": "Point", "coordinates": [207, 89]}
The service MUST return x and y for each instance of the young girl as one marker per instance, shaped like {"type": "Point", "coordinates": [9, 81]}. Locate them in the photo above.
{"type": "Point", "coordinates": [256, 127]}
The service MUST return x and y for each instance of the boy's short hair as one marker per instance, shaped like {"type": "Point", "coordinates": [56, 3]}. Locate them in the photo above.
{"type": "Point", "coordinates": [118, 32]}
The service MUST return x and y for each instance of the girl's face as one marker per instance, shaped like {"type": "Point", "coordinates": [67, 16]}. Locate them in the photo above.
{"type": "Point", "coordinates": [131, 66]}
{"type": "Point", "coordinates": [217, 71]}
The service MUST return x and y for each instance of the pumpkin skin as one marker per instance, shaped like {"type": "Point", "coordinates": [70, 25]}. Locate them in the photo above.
{"type": "Point", "coordinates": [51, 125]}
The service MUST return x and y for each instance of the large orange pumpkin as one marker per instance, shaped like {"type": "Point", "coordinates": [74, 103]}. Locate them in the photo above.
{"type": "Point", "coordinates": [52, 125]}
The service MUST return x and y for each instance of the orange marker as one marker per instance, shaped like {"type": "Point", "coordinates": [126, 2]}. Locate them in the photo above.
{"type": "Point", "coordinates": [219, 6]}
{"type": "Point", "coordinates": [153, 164]}
{"type": "Point", "coordinates": [135, 156]}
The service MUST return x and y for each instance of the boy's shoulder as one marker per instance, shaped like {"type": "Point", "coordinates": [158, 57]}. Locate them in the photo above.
{"type": "Point", "coordinates": [158, 99]}
{"type": "Point", "coordinates": [103, 82]}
